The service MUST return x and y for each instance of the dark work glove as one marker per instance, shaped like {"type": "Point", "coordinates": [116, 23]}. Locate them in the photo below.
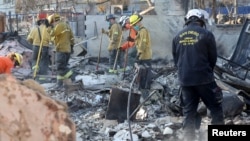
{"type": "Point", "coordinates": [103, 31]}
{"type": "Point", "coordinates": [47, 24]}
{"type": "Point", "coordinates": [72, 49]}
{"type": "Point", "coordinates": [130, 39]}
{"type": "Point", "coordinates": [38, 22]}
{"type": "Point", "coordinates": [121, 49]}
{"type": "Point", "coordinates": [138, 56]}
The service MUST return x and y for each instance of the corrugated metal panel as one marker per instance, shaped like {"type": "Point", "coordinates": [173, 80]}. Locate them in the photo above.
{"type": "Point", "coordinates": [241, 54]}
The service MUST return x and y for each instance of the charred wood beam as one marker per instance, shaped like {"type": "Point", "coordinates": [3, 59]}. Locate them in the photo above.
{"type": "Point", "coordinates": [147, 10]}
{"type": "Point", "coordinates": [102, 2]}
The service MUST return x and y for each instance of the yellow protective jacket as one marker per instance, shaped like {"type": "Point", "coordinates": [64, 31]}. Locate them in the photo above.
{"type": "Point", "coordinates": [143, 44]}
{"type": "Point", "coordinates": [34, 37]}
{"type": "Point", "coordinates": [115, 35]}
{"type": "Point", "coordinates": [62, 36]}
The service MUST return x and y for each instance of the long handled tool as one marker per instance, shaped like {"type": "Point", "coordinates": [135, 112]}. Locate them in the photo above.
{"type": "Point", "coordinates": [80, 43]}
{"type": "Point", "coordinates": [117, 52]}
{"type": "Point", "coordinates": [126, 57]}
{"type": "Point", "coordinates": [125, 63]}
{"type": "Point", "coordinates": [39, 55]}
{"type": "Point", "coordinates": [100, 48]}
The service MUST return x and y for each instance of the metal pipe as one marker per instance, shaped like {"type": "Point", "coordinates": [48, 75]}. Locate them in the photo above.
{"type": "Point", "coordinates": [10, 21]}
{"type": "Point", "coordinates": [137, 108]}
{"type": "Point", "coordinates": [235, 7]}
{"type": "Point", "coordinates": [128, 105]}
{"type": "Point", "coordinates": [17, 23]}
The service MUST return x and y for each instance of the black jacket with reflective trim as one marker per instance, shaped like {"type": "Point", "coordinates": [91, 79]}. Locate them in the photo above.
{"type": "Point", "coordinates": [195, 54]}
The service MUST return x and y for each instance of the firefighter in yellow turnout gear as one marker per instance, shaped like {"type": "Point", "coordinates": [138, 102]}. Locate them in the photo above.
{"type": "Point", "coordinates": [144, 54]}
{"type": "Point", "coordinates": [40, 37]}
{"type": "Point", "coordinates": [142, 40]}
{"type": "Point", "coordinates": [115, 34]}
{"type": "Point", "coordinates": [63, 38]}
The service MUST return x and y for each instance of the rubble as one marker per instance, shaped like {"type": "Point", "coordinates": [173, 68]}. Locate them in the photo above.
{"type": "Point", "coordinates": [159, 116]}
{"type": "Point", "coordinates": [157, 119]}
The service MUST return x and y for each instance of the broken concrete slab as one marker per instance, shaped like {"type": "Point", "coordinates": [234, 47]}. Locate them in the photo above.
{"type": "Point", "coordinates": [93, 79]}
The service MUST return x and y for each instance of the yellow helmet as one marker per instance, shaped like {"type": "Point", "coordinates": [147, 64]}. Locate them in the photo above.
{"type": "Point", "coordinates": [16, 57]}
{"type": "Point", "coordinates": [53, 18]}
{"type": "Point", "coordinates": [133, 19]}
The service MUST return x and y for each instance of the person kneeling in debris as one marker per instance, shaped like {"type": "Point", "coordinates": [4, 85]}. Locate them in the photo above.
{"type": "Point", "coordinates": [7, 63]}
{"type": "Point", "coordinates": [63, 38]}
{"type": "Point", "coordinates": [39, 37]}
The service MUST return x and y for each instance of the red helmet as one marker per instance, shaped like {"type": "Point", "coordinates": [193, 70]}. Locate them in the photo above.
{"type": "Point", "coordinates": [41, 16]}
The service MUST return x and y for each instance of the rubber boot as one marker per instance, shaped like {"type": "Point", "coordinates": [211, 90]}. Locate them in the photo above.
{"type": "Point", "coordinates": [111, 71]}
{"type": "Point", "coordinates": [73, 77]}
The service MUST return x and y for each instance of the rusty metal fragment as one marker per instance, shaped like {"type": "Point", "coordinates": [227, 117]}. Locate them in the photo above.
{"type": "Point", "coordinates": [117, 106]}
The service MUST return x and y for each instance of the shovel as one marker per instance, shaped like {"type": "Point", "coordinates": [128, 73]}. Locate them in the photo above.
{"type": "Point", "coordinates": [100, 48]}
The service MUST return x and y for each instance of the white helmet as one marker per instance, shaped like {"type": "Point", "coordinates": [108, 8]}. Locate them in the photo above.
{"type": "Point", "coordinates": [123, 20]}
{"type": "Point", "coordinates": [194, 12]}
{"type": "Point", "coordinates": [195, 15]}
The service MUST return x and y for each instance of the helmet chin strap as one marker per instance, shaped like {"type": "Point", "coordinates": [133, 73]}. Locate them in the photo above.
{"type": "Point", "coordinates": [195, 20]}
{"type": "Point", "coordinates": [16, 63]}
{"type": "Point", "coordinates": [200, 23]}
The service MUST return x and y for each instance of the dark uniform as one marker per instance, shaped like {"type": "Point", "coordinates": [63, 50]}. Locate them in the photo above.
{"type": "Point", "coordinates": [195, 54]}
